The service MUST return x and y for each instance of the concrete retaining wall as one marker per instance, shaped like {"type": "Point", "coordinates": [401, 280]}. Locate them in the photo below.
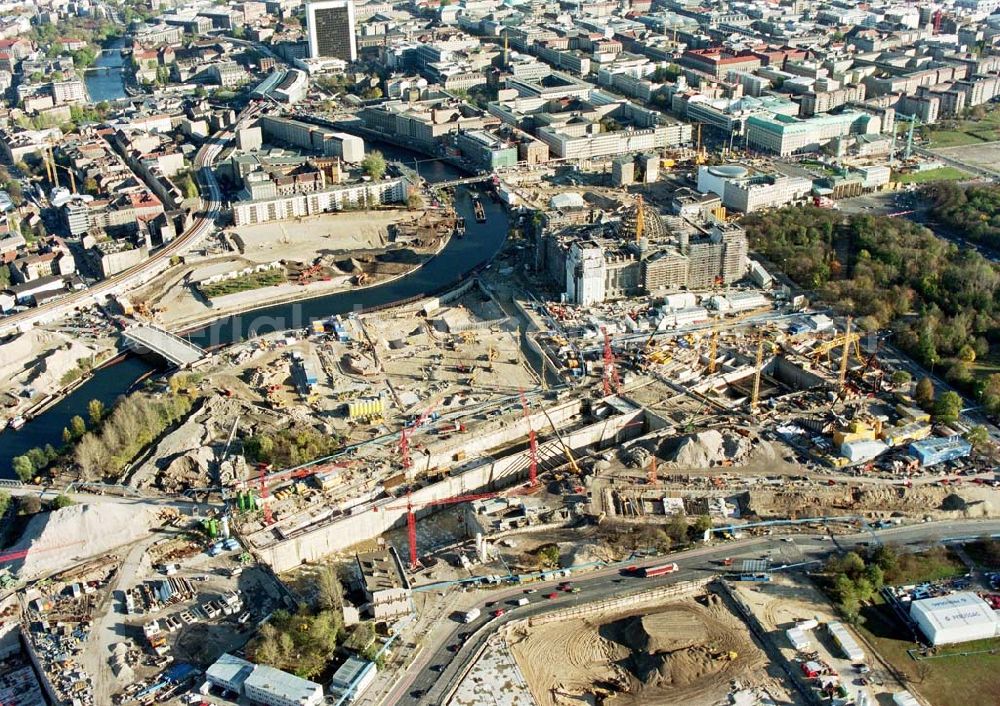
{"type": "Point", "coordinates": [369, 521]}
{"type": "Point", "coordinates": [672, 591]}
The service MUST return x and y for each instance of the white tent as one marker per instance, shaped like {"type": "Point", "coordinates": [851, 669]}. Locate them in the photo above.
{"type": "Point", "coordinates": [957, 617]}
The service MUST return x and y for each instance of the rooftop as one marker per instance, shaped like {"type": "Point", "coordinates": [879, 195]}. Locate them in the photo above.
{"type": "Point", "coordinates": [381, 570]}
{"type": "Point", "coordinates": [288, 686]}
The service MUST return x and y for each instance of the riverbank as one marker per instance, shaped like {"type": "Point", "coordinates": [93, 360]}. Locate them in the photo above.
{"type": "Point", "coordinates": [179, 307]}
{"type": "Point", "coordinates": [455, 261]}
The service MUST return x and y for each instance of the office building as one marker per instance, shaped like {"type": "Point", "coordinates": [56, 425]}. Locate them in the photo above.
{"type": "Point", "coordinates": [331, 29]}
{"type": "Point", "coordinates": [604, 261]}
{"type": "Point", "coordinates": [386, 587]}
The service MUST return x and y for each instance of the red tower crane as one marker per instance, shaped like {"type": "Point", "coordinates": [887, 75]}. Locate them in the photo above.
{"type": "Point", "coordinates": [411, 518]}
{"type": "Point", "coordinates": [404, 436]}
{"type": "Point", "coordinates": [532, 446]}
{"type": "Point", "coordinates": [938, 16]}
{"type": "Point", "coordinates": [264, 480]}
{"type": "Point", "coordinates": [19, 554]}
{"type": "Point", "coordinates": [610, 368]}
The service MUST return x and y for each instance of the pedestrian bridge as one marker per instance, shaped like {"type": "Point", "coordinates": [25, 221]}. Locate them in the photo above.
{"type": "Point", "coordinates": [144, 338]}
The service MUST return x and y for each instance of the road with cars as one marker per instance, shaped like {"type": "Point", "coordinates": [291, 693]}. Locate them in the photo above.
{"type": "Point", "coordinates": [441, 664]}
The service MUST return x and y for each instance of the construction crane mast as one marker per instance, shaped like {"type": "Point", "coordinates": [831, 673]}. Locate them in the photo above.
{"type": "Point", "coordinates": [610, 368]}
{"type": "Point", "coordinates": [651, 476]}
{"type": "Point", "coordinates": [640, 218]}
{"type": "Point", "coordinates": [411, 517]}
{"type": "Point", "coordinates": [532, 445]}
{"type": "Point", "coordinates": [404, 436]}
{"type": "Point", "coordinates": [844, 356]}
{"type": "Point", "coordinates": [713, 348]}
{"type": "Point", "coordinates": [19, 554]}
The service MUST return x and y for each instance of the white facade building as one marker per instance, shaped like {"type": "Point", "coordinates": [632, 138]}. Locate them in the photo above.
{"type": "Point", "coordinates": [335, 198]}
{"type": "Point", "coordinates": [585, 274]}
{"type": "Point", "coordinates": [273, 687]}
{"type": "Point", "coordinates": [957, 617]}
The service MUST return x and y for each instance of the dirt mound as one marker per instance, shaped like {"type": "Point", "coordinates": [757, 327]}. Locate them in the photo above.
{"type": "Point", "coordinates": [350, 265]}
{"type": "Point", "coordinates": [57, 540]}
{"type": "Point", "coordinates": [666, 631]}
{"type": "Point", "coordinates": [684, 652]}
{"type": "Point", "coordinates": [710, 448]}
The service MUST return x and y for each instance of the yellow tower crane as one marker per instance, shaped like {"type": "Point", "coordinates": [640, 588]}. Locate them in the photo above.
{"type": "Point", "coordinates": [640, 218]}
{"type": "Point", "coordinates": [845, 355]}
{"type": "Point", "coordinates": [713, 348]}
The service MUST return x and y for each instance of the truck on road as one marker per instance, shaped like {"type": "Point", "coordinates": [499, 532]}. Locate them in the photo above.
{"type": "Point", "coordinates": [470, 615]}
{"type": "Point", "coordinates": [648, 572]}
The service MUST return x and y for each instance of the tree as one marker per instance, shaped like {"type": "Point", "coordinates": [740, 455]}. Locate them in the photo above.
{"type": "Point", "coordinates": [967, 353]}
{"type": "Point", "coordinates": [414, 201]}
{"type": "Point", "coordinates": [701, 525]}
{"type": "Point", "coordinates": [374, 165]}
{"type": "Point", "coordinates": [925, 393]}
{"type": "Point", "coordinates": [331, 593]}
{"type": "Point", "coordinates": [29, 505]}
{"type": "Point", "coordinates": [978, 436]}
{"type": "Point", "coordinates": [677, 528]}
{"type": "Point", "coordinates": [960, 373]}
{"type": "Point", "coordinates": [23, 468]}
{"type": "Point", "coordinates": [90, 185]}
{"type": "Point", "coordinates": [948, 406]}
{"type": "Point", "coordinates": [61, 501]}
{"type": "Point", "coordinates": [15, 192]}
{"type": "Point", "coordinates": [189, 187]}
{"type": "Point", "coordinates": [95, 410]}
{"type": "Point", "coordinates": [77, 426]}
{"type": "Point", "coordinates": [901, 377]}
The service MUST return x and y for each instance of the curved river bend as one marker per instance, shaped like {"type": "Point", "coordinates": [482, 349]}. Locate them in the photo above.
{"type": "Point", "coordinates": [459, 257]}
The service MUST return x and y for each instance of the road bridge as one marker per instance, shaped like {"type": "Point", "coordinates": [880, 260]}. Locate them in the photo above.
{"type": "Point", "coordinates": [458, 182]}
{"type": "Point", "coordinates": [177, 350]}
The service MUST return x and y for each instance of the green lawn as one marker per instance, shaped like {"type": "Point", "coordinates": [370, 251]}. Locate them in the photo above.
{"type": "Point", "coordinates": [939, 174]}
{"type": "Point", "coordinates": [267, 278]}
{"type": "Point", "coordinates": [968, 132]}
{"type": "Point", "coordinates": [950, 681]}
{"type": "Point", "coordinates": [957, 138]}
{"type": "Point", "coordinates": [931, 565]}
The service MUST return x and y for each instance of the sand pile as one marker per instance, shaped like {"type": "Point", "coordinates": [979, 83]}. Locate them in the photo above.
{"type": "Point", "coordinates": [41, 359]}
{"type": "Point", "coordinates": [577, 554]}
{"type": "Point", "coordinates": [57, 540]}
{"type": "Point", "coordinates": [710, 448]}
{"type": "Point", "coordinates": [48, 373]}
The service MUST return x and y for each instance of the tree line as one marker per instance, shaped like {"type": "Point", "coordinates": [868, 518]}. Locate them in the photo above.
{"type": "Point", "coordinates": [972, 210]}
{"type": "Point", "coordinates": [135, 422]}
{"type": "Point", "coordinates": [941, 300]}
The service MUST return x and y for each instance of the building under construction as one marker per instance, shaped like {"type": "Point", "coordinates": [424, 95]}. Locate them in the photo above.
{"type": "Point", "coordinates": [642, 253]}
{"type": "Point", "coordinates": [446, 471]}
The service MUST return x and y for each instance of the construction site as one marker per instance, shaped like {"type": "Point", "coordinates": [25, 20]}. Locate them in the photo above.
{"type": "Point", "coordinates": [688, 648]}
{"type": "Point", "coordinates": [737, 403]}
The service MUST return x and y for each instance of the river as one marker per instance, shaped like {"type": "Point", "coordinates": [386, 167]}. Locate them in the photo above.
{"type": "Point", "coordinates": [105, 80]}
{"type": "Point", "coordinates": [449, 267]}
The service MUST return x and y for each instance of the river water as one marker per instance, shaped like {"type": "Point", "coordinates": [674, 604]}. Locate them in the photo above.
{"type": "Point", "coordinates": [447, 268]}
{"type": "Point", "coordinates": [106, 81]}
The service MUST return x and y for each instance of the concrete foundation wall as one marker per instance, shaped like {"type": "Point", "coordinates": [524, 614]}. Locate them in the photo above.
{"type": "Point", "coordinates": [371, 520]}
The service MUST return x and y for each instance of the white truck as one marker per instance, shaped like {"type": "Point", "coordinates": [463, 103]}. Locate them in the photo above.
{"type": "Point", "coordinates": [523, 601]}
{"type": "Point", "coordinates": [470, 615]}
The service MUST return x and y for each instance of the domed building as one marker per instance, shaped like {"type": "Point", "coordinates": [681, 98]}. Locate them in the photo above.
{"type": "Point", "coordinates": [653, 228]}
